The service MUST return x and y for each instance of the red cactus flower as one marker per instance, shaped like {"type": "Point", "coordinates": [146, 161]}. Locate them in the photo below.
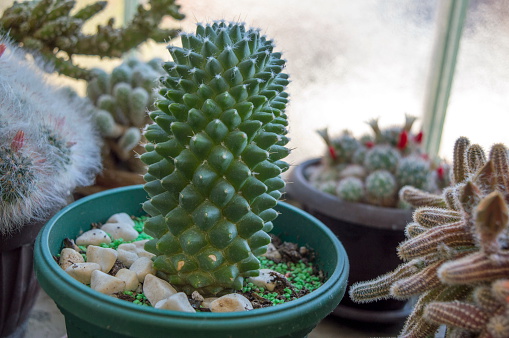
{"type": "Point", "coordinates": [18, 140]}
{"type": "Point", "coordinates": [2, 48]}
{"type": "Point", "coordinates": [332, 153]}
{"type": "Point", "coordinates": [369, 144]}
{"type": "Point", "coordinates": [440, 172]}
{"type": "Point", "coordinates": [418, 137]}
{"type": "Point", "coordinates": [403, 140]}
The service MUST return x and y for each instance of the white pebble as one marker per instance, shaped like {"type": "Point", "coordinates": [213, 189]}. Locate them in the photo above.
{"type": "Point", "coordinates": [130, 279]}
{"type": "Point", "coordinates": [272, 252]}
{"type": "Point", "coordinates": [82, 272]}
{"type": "Point", "coordinates": [127, 257]}
{"type": "Point", "coordinates": [105, 283]}
{"type": "Point", "coordinates": [176, 302]}
{"type": "Point", "coordinates": [140, 249]}
{"type": "Point", "coordinates": [120, 218]}
{"type": "Point", "coordinates": [68, 257]}
{"type": "Point", "coordinates": [93, 237]}
{"type": "Point", "coordinates": [105, 257]}
{"type": "Point", "coordinates": [232, 302]}
{"type": "Point", "coordinates": [157, 289]}
{"type": "Point", "coordinates": [266, 279]}
{"type": "Point", "coordinates": [120, 230]}
{"type": "Point", "coordinates": [143, 266]}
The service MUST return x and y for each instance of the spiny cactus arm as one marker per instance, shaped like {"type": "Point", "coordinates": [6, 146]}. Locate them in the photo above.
{"type": "Point", "coordinates": [373, 123]}
{"type": "Point", "coordinates": [47, 27]}
{"type": "Point", "coordinates": [419, 282]}
{"type": "Point", "coordinates": [458, 314]}
{"type": "Point", "coordinates": [486, 178]}
{"type": "Point", "coordinates": [409, 122]}
{"type": "Point", "coordinates": [110, 41]}
{"type": "Point", "coordinates": [415, 325]}
{"type": "Point", "coordinates": [492, 218]}
{"type": "Point", "coordinates": [450, 195]}
{"type": "Point", "coordinates": [475, 267]}
{"type": "Point", "coordinates": [431, 216]}
{"type": "Point", "coordinates": [469, 197]}
{"type": "Point", "coordinates": [498, 155]}
{"type": "Point", "coordinates": [475, 158]}
{"type": "Point", "coordinates": [484, 297]}
{"type": "Point", "coordinates": [379, 288]}
{"type": "Point", "coordinates": [414, 229]}
{"type": "Point", "coordinates": [459, 168]}
{"type": "Point", "coordinates": [453, 235]}
{"type": "Point", "coordinates": [418, 198]}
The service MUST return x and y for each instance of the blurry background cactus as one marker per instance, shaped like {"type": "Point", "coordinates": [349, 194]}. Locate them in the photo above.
{"type": "Point", "coordinates": [122, 99]}
{"type": "Point", "coordinates": [48, 145]}
{"type": "Point", "coordinates": [215, 157]}
{"type": "Point", "coordinates": [53, 29]}
{"type": "Point", "coordinates": [456, 255]}
{"type": "Point", "coordinates": [384, 162]}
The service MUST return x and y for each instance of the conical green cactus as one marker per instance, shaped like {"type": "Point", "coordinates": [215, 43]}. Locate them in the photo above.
{"type": "Point", "coordinates": [456, 255]}
{"type": "Point", "coordinates": [215, 157]}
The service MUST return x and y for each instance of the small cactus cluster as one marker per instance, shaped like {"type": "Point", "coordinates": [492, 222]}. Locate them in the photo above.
{"type": "Point", "coordinates": [122, 100]}
{"type": "Point", "coordinates": [373, 168]}
{"type": "Point", "coordinates": [456, 252]}
{"type": "Point", "coordinates": [48, 145]}
{"type": "Point", "coordinates": [48, 28]}
{"type": "Point", "coordinates": [215, 157]}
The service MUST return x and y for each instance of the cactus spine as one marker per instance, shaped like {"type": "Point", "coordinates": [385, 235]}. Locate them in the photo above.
{"type": "Point", "coordinates": [460, 242]}
{"type": "Point", "coordinates": [215, 157]}
{"type": "Point", "coordinates": [48, 28]}
{"type": "Point", "coordinates": [48, 145]}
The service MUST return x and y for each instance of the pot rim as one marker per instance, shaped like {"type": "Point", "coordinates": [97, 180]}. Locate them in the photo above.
{"type": "Point", "coordinates": [301, 190]}
{"type": "Point", "coordinates": [81, 294]}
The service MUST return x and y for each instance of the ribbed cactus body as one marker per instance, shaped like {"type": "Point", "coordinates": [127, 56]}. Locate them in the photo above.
{"type": "Point", "coordinates": [413, 171]}
{"type": "Point", "coordinates": [382, 158]}
{"type": "Point", "coordinates": [215, 157]}
{"type": "Point", "coordinates": [381, 188]}
{"type": "Point", "coordinates": [350, 189]}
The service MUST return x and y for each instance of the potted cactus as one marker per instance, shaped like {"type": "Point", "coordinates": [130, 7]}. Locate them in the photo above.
{"type": "Point", "coordinates": [48, 147]}
{"type": "Point", "coordinates": [354, 189]}
{"type": "Point", "coordinates": [215, 157]}
{"type": "Point", "coordinates": [121, 100]}
{"type": "Point", "coordinates": [456, 251]}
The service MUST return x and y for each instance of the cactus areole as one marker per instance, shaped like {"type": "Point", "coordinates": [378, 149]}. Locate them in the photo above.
{"type": "Point", "coordinates": [215, 157]}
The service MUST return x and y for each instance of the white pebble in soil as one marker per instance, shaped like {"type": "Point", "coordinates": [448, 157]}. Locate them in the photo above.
{"type": "Point", "coordinates": [130, 279]}
{"type": "Point", "coordinates": [176, 302]}
{"type": "Point", "coordinates": [68, 257]}
{"type": "Point", "coordinates": [121, 218]}
{"type": "Point", "coordinates": [105, 257]}
{"type": "Point", "coordinates": [126, 257]}
{"type": "Point", "coordinates": [105, 283]}
{"type": "Point", "coordinates": [266, 279]}
{"type": "Point", "coordinates": [120, 230]}
{"type": "Point", "coordinates": [93, 237]}
{"type": "Point", "coordinates": [82, 272]}
{"type": "Point", "coordinates": [157, 289]}
{"type": "Point", "coordinates": [232, 302]}
{"type": "Point", "coordinates": [143, 266]}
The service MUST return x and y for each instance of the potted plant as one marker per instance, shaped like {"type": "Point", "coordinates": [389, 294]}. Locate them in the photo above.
{"type": "Point", "coordinates": [214, 163]}
{"type": "Point", "coordinates": [456, 258]}
{"type": "Point", "coordinates": [48, 147]}
{"type": "Point", "coordinates": [353, 189]}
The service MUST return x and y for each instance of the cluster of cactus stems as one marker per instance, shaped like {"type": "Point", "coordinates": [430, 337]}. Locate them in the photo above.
{"type": "Point", "coordinates": [373, 168]}
{"type": "Point", "coordinates": [456, 252]}
{"type": "Point", "coordinates": [48, 144]}
{"type": "Point", "coordinates": [215, 157]}
{"type": "Point", "coordinates": [48, 28]}
{"type": "Point", "coordinates": [122, 99]}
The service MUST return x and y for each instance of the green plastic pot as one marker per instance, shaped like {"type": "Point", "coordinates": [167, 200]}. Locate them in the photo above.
{"type": "Point", "coordinates": [92, 314]}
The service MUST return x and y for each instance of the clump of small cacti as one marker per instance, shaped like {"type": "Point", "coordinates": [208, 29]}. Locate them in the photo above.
{"type": "Point", "coordinates": [122, 99]}
{"type": "Point", "coordinates": [48, 144]}
{"type": "Point", "coordinates": [51, 27]}
{"type": "Point", "coordinates": [456, 255]}
{"type": "Point", "coordinates": [215, 157]}
{"type": "Point", "coordinates": [385, 162]}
